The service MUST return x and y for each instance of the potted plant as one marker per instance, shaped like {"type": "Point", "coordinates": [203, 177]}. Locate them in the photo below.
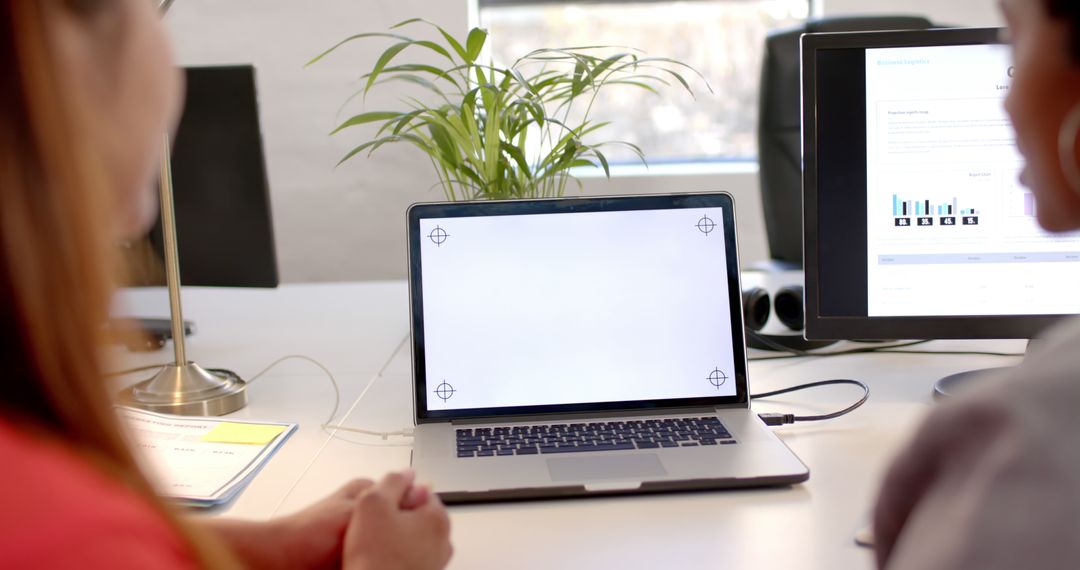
{"type": "Point", "coordinates": [503, 132]}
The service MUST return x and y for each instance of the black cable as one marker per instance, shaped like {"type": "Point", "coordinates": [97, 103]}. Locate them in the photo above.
{"type": "Point", "coordinates": [765, 340]}
{"type": "Point", "coordinates": [887, 349]}
{"type": "Point", "coordinates": [134, 370]}
{"type": "Point", "coordinates": [956, 352]}
{"type": "Point", "coordinates": [782, 419]}
{"type": "Point", "coordinates": [796, 353]}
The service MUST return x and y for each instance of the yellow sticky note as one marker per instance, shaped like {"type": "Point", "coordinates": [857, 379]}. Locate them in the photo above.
{"type": "Point", "coordinates": [252, 434]}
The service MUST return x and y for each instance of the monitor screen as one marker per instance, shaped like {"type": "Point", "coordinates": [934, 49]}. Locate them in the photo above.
{"type": "Point", "coordinates": [571, 308]}
{"type": "Point", "coordinates": [915, 217]}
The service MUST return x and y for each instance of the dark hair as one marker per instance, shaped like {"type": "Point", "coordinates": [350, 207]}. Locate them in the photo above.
{"type": "Point", "coordinates": [1068, 10]}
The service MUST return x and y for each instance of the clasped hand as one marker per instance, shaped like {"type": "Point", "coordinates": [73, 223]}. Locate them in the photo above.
{"type": "Point", "coordinates": [390, 525]}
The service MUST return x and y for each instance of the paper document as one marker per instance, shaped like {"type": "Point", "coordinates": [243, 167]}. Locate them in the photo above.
{"type": "Point", "coordinates": [203, 461]}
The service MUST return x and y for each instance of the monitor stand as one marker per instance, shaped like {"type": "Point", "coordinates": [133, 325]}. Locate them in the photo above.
{"type": "Point", "coordinates": [953, 384]}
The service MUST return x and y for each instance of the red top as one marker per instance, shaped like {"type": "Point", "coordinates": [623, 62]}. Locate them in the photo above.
{"type": "Point", "coordinates": [56, 511]}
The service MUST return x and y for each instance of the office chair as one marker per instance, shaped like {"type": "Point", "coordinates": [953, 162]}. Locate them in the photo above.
{"type": "Point", "coordinates": [779, 125]}
{"type": "Point", "coordinates": [221, 201]}
{"type": "Point", "coordinates": [221, 190]}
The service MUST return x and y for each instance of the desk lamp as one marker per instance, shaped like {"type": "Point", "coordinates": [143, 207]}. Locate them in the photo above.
{"type": "Point", "coordinates": [182, 387]}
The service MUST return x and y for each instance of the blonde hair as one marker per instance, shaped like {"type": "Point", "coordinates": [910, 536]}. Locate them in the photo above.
{"type": "Point", "coordinates": [56, 260]}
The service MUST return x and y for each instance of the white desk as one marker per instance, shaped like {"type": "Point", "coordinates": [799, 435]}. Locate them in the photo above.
{"type": "Point", "coordinates": [359, 332]}
{"type": "Point", "coordinates": [352, 329]}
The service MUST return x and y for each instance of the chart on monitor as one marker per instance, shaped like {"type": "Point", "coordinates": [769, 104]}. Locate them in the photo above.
{"type": "Point", "coordinates": [951, 231]}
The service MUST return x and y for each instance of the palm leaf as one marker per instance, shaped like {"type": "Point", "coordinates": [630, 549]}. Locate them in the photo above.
{"type": "Point", "coordinates": [372, 146]}
{"type": "Point", "coordinates": [365, 118]}
{"type": "Point", "coordinates": [476, 136]}
{"type": "Point", "coordinates": [477, 39]}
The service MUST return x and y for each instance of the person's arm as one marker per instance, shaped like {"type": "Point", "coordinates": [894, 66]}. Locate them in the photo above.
{"type": "Point", "coordinates": [256, 544]}
{"type": "Point", "coordinates": [992, 481]}
{"type": "Point", "coordinates": [316, 536]}
{"type": "Point", "coordinates": [949, 446]}
{"type": "Point", "coordinates": [311, 538]}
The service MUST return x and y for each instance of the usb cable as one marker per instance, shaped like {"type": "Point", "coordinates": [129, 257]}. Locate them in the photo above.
{"type": "Point", "coordinates": [783, 419]}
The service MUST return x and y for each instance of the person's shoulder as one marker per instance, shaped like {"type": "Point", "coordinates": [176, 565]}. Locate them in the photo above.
{"type": "Point", "coordinates": [1052, 361]}
{"type": "Point", "coordinates": [59, 510]}
{"type": "Point", "coordinates": [1065, 335]}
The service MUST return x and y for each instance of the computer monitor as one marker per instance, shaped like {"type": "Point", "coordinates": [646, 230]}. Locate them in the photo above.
{"type": "Point", "coordinates": [224, 229]}
{"type": "Point", "coordinates": [916, 224]}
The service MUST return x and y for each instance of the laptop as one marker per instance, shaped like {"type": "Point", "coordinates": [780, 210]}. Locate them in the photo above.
{"type": "Point", "coordinates": [584, 346]}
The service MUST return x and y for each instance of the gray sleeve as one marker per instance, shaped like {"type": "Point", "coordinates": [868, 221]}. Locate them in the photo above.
{"type": "Point", "coordinates": [1006, 492]}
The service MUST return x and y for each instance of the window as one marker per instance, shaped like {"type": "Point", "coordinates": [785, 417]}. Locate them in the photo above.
{"type": "Point", "coordinates": [723, 39]}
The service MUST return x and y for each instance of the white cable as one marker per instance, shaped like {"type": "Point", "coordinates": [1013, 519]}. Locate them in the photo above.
{"type": "Point", "coordinates": [383, 434]}
{"type": "Point", "coordinates": [337, 399]}
{"type": "Point", "coordinates": [330, 375]}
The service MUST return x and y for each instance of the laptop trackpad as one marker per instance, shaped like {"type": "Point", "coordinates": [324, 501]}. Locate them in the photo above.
{"type": "Point", "coordinates": [615, 467]}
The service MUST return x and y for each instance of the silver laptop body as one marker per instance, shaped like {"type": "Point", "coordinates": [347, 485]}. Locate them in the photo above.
{"type": "Point", "coordinates": [584, 346]}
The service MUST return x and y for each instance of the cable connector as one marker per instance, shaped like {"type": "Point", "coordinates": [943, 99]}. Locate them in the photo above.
{"type": "Point", "coordinates": [784, 419]}
{"type": "Point", "coordinates": [777, 419]}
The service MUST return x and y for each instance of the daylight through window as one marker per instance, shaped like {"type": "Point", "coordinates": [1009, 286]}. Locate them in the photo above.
{"type": "Point", "coordinates": [723, 39]}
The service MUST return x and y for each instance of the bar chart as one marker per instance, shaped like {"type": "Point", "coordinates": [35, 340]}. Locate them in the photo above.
{"type": "Point", "coordinates": [904, 208]}
{"type": "Point", "coordinates": [1023, 204]}
{"type": "Point", "coordinates": [926, 213]}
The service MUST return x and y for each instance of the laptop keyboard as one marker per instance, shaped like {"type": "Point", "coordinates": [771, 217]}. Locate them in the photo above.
{"type": "Point", "coordinates": [596, 436]}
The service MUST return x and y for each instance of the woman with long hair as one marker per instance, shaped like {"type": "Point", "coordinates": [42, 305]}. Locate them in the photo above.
{"type": "Point", "coordinates": [87, 87]}
{"type": "Point", "coordinates": [992, 481]}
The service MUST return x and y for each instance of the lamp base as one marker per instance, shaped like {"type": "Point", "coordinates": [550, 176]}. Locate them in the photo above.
{"type": "Point", "coordinates": [188, 390]}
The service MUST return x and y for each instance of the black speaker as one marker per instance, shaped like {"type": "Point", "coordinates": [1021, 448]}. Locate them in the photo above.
{"type": "Point", "coordinates": [788, 305]}
{"type": "Point", "coordinates": [780, 125]}
{"type": "Point", "coordinates": [755, 308]}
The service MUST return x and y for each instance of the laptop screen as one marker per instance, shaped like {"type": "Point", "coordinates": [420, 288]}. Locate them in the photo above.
{"type": "Point", "coordinates": [528, 311]}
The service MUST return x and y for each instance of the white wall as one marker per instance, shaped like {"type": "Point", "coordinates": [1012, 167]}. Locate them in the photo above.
{"type": "Point", "coordinates": [347, 223]}
{"type": "Point", "coordinates": [330, 224]}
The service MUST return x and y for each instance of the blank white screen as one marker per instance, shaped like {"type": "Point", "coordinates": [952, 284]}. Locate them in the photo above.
{"type": "Point", "coordinates": [575, 308]}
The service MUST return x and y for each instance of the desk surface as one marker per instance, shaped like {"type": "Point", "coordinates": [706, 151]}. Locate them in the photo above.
{"type": "Point", "coordinates": [359, 331]}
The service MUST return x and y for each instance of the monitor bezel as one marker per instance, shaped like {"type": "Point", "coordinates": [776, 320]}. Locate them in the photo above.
{"type": "Point", "coordinates": [419, 212]}
{"type": "Point", "coordinates": [826, 327]}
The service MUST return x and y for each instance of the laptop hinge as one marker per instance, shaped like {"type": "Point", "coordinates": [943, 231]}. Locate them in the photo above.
{"type": "Point", "coordinates": [588, 415]}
